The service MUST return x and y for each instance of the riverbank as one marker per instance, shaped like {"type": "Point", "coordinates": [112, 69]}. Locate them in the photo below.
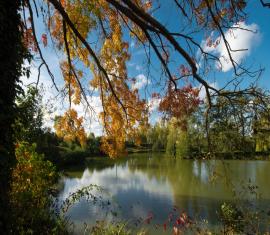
{"type": "Point", "coordinates": [63, 156]}
{"type": "Point", "coordinates": [237, 155]}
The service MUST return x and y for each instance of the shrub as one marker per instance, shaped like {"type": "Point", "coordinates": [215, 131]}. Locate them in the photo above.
{"type": "Point", "coordinates": [33, 179]}
{"type": "Point", "coordinates": [111, 229]}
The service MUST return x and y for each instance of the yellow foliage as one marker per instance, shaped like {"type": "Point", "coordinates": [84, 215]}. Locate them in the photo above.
{"type": "Point", "coordinates": [123, 111]}
{"type": "Point", "coordinates": [70, 128]}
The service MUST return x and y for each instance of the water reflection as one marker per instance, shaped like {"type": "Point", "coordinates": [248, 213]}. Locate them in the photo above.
{"type": "Point", "coordinates": [143, 183]}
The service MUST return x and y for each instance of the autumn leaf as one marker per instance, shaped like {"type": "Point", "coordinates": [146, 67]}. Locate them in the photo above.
{"type": "Point", "coordinates": [44, 39]}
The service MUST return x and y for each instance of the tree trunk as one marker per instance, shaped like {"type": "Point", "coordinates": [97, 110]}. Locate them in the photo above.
{"type": "Point", "coordinates": [11, 58]}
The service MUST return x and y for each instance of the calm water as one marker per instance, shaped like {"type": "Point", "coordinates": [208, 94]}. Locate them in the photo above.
{"type": "Point", "coordinates": [144, 183]}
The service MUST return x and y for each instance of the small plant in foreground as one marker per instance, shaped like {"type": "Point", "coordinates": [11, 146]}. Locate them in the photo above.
{"type": "Point", "coordinates": [32, 184]}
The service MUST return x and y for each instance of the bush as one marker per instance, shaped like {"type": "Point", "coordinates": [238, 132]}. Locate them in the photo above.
{"type": "Point", "coordinates": [63, 156]}
{"type": "Point", "coordinates": [31, 198]}
{"type": "Point", "coordinates": [244, 215]}
{"type": "Point", "coordinates": [232, 218]}
{"type": "Point", "coordinates": [118, 228]}
{"type": "Point", "coordinates": [68, 157]}
{"type": "Point", "coordinates": [112, 229]}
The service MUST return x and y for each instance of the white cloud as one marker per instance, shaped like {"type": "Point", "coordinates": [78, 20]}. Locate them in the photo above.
{"type": "Point", "coordinates": [94, 123]}
{"type": "Point", "coordinates": [51, 103]}
{"type": "Point", "coordinates": [238, 39]}
{"type": "Point", "coordinates": [96, 103]}
{"type": "Point", "coordinates": [91, 116]}
{"type": "Point", "coordinates": [44, 78]}
{"type": "Point", "coordinates": [114, 182]}
{"type": "Point", "coordinates": [140, 82]}
{"type": "Point", "coordinates": [202, 93]}
{"type": "Point", "coordinates": [153, 104]}
{"type": "Point", "coordinates": [54, 105]}
{"type": "Point", "coordinates": [124, 181]}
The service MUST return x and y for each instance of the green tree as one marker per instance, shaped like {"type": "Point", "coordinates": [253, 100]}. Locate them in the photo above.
{"type": "Point", "coordinates": [197, 133]}
{"type": "Point", "coordinates": [178, 143]}
{"type": "Point", "coordinates": [93, 144]}
{"type": "Point", "coordinates": [261, 130]}
{"type": "Point", "coordinates": [230, 123]}
{"type": "Point", "coordinates": [157, 136]}
{"type": "Point", "coordinates": [172, 138]}
{"type": "Point", "coordinates": [29, 121]}
{"type": "Point", "coordinates": [183, 144]}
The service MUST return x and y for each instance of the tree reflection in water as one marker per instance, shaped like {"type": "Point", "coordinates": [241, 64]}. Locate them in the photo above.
{"type": "Point", "coordinates": [145, 183]}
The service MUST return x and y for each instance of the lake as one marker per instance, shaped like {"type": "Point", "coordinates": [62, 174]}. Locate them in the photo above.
{"type": "Point", "coordinates": [152, 184]}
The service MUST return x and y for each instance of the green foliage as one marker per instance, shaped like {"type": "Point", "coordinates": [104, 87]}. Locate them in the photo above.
{"type": "Point", "coordinates": [28, 124]}
{"type": "Point", "coordinates": [243, 216]}
{"type": "Point", "coordinates": [93, 144]}
{"type": "Point", "coordinates": [110, 229]}
{"type": "Point", "coordinates": [237, 125]}
{"type": "Point", "coordinates": [33, 180]}
{"type": "Point", "coordinates": [262, 142]}
{"type": "Point", "coordinates": [157, 136]}
{"type": "Point", "coordinates": [226, 140]}
{"type": "Point", "coordinates": [182, 145]}
{"type": "Point", "coordinates": [196, 134]}
{"type": "Point", "coordinates": [232, 218]}
{"type": "Point", "coordinates": [71, 153]}
{"type": "Point", "coordinates": [71, 157]}
{"type": "Point", "coordinates": [237, 128]}
{"type": "Point", "coordinates": [261, 127]}
{"type": "Point", "coordinates": [171, 140]}
{"type": "Point", "coordinates": [178, 143]}
{"type": "Point", "coordinates": [119, 228]}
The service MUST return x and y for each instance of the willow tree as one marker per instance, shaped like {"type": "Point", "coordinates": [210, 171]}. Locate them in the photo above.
{"type": "Point", "coordinates": [93, 36]}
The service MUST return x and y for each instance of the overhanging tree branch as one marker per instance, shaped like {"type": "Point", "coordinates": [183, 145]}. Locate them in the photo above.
{"type": "Point", "coordinates": [72, 68]}
{"type": "Point", "coordinates": [265, 4]}
{"type": "Point", "coordinates": [38, 48]}
{"type": "Point", "coordinates": [66, 18]}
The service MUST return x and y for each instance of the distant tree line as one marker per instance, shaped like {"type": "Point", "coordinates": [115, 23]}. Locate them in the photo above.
{"type": "Point", "coordinates": [235, 127]}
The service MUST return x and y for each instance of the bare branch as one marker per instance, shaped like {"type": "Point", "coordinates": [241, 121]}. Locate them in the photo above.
{"type": "Point", "coordinates": [181, 8]}
{"type": "Point", "coordinates": [39, 50]}
{"type": "Point", "coordinates": [265, 4]}
{"type": "Point", "coordinates": [39, 68]}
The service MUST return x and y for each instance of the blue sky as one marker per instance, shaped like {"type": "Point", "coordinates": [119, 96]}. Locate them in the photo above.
{"type": "Point", "coordinates": [260, 54]}
{"type": "Point", "coordinates": [257, 55]}
{"type": "Point", "coordinates": [148, 81]}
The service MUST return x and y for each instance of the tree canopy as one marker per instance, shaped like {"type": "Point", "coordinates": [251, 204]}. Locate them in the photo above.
{"type": "Point", "coordinates": [94, 38]}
